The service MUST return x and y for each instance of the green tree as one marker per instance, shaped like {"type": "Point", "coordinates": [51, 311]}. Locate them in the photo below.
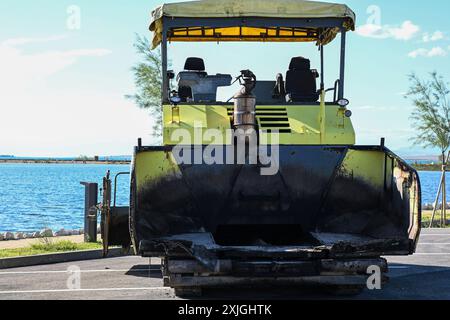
{"type": "Point", "coordinates": [148, 81]}
{"type": "Point", "coordinates": [431, 115]}
{"type": "Point", "coordinates": [431, 118]}
{"type": "Point", "coordinates": [82, 158]}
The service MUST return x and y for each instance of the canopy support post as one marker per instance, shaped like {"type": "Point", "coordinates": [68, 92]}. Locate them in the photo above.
{"type": "Point", "coordinates": [165, 83]}
{"type": "Point", "coordinates": [322, 68]}
{"type": "Point", "coordinates": [342, 72]}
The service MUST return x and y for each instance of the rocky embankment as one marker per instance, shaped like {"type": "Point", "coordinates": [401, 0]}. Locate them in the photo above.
{"type": "Point", "coordinates": [45, 233]}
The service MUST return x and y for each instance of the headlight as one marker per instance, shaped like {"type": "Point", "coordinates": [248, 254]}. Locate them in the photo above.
{"type": "Point", "coordinates": [343, 102]}
{"type": "Point", "coordinates": [175, 100]}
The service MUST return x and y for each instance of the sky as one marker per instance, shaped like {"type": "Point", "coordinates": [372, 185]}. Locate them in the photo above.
{"type": "Point", "coordinates": [65, 68]}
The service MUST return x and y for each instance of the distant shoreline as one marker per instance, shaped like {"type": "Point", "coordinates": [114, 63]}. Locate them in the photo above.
{"type": "Point", "coordinates": [418, 167]}
{"type": "Point", "coordinates": [31, 161]}
{"type": "Point", "coordinates": [427, 167]}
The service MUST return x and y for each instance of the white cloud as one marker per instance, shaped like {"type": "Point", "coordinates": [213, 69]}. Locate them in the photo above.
{"type": "Point", "coordinates": [22, 41]}
{"type": "Point", "coordinates": [436, 36]}
{"type": "Point", "coordinates": [418, 52]}
{"type": "Point", "coordinates": [365, 107]}
{"type": "Point", "coordinates": [86, 53]}
{"type": "Point", "coordinates": [405, 32]}
{"type": "Point", "coordinates": [52, 122]}
{"type": "Point", "coordinates": [21, 69]}
{"type": "Point", "coordinates": [376, 108]}
{"type": "Point", "coordinates": [437, 52]}
{"type": "Point", "coordinates": [70, 123]}
{"type": "Point", "coordinates": [429, 53]}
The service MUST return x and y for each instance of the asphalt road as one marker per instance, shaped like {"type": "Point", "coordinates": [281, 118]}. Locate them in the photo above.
{"type": "Point", "coordinates": [426, 275]}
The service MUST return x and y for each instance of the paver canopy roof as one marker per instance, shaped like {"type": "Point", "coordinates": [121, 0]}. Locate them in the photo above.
{"type": "Point", "coordinates": [273, 9]}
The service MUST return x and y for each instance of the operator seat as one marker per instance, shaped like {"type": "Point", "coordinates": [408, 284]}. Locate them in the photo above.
{"type": "Point", "coordinates": [301, 83]}
{"type": "Point", "coordinates": [194, 83]}
{"type": "Point", "coordinates": [196, 65]}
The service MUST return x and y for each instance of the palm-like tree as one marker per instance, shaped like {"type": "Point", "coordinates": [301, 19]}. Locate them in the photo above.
{"type": "Point", "coordinates": [431, 118]}
{"type": "Point", "coordinates": [148, 82]}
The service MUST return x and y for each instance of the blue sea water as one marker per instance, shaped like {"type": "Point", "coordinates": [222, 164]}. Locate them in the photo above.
{"type": "Point", "coordinates": [35, 196]}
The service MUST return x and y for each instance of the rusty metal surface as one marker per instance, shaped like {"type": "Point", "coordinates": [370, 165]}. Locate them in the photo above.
{"type": "Point", "coordinates": [119, 227]}
{"type": "Point", "coordinates": [204, 251]}
{"type": "Point", "coordinates": [114, 220]}
{"type": "Point", "coordinates": [214, 282]}
{"type": "Point", "coordinates": [106, 213]}
{"type": "Point", "coordinates": [353, 266]}
{"type": "Point", "coordinates": [278, 268]}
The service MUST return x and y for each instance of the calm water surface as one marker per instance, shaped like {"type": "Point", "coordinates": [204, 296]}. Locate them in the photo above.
{"type": "Point", "coordinates": [34, 196]}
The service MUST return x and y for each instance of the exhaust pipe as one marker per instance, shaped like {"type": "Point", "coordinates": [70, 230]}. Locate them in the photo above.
{"type": "Point", "coordinates": [245, 103]}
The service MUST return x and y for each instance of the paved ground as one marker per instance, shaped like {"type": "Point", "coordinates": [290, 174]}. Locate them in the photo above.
{"type": "Point", "coordinates": [425, 275]}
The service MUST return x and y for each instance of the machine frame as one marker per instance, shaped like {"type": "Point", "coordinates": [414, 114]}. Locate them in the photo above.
{"type": "Point", "coordinates": [181, 212]}
{"type": "Point", "coordinates": [170, 23]}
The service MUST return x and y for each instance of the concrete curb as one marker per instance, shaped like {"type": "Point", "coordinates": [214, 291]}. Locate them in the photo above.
{"type": "Point", "coordinates": [44, 259]}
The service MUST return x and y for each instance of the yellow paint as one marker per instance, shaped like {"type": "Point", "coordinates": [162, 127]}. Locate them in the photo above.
{"type": "Point", "coordinates": [308, 124]}
{"type": "Point", "coordinates": [153, 165]}
{"type": "Point", "coordinates": [322, 118]}
{"type": "Point", "coordinates": [366, 165]}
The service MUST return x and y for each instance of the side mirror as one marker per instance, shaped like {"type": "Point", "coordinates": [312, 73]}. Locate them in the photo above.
{"type": "Point", "coordinates": [315, 73]}
{"type": "Point", "coordinates": [170, 74]}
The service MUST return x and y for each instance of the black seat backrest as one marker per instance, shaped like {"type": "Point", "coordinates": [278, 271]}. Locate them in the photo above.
{"type": "Point", "coordinates": [301, 83]}
{"type": "Point", "coordinates": [195, 65]}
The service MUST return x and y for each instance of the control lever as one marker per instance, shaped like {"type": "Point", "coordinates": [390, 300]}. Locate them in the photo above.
{"type": "Point", "coordinates": [247, 80]}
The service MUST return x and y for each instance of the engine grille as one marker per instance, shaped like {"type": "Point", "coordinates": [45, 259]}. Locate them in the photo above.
{"type": "Point", "coordinates": [270, 119]}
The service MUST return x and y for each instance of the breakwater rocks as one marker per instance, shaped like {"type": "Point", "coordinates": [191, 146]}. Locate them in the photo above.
{"type": "Point", "coordinates": [45, 233]}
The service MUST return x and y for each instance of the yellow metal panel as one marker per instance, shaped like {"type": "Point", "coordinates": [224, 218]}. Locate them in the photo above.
{"type": "Point", "coordinates": [152, 165]}
{"type": "Point", "coordinates": [298, 125]}
{"type": "Point", "coordinates": [242, 33]}
{"type": "Point", "coordinates": [304, 119]}
{"type": "Point", "coordinates": [366, 165]}
{"type": "Point", "coordinates": [195, 119]}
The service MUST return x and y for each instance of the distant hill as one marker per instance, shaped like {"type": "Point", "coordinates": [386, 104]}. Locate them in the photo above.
{"type": "Point", "coordinates": [418, 154]}
{"type": "Point", "coordinates": [422, 158]}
